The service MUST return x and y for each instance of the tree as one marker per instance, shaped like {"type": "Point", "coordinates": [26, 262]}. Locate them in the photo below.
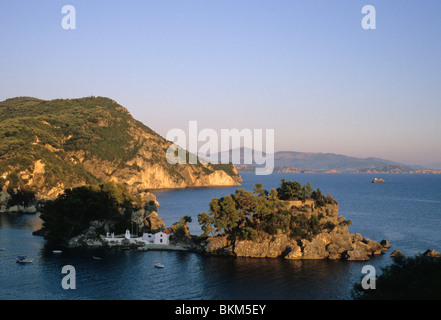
{"type": "Point", "coordinates": [229, 214]}
{"type": "Point", "coordinates": [71, 212]}
{"type": "Point", "coordinates": [289, 190]}
{"type": "Point", "coordinates": [308, 190]}
{"type": "Point", "coordinates": [414, 278]}
{"type": "Point", "coordinates": [185, 219]}
{"type": "Point", "coordinates": [246, 203]}
{"type": "Point", "coordinates": [259, 191]}
{"type": "Point", "coordinates": [206, 224]}
{"type": "Point", "coordinates": [180, 229]}
{"type": "Point", "coordinates": [318, 197]}
{"type": "Point", "coordinates": [250, 215]}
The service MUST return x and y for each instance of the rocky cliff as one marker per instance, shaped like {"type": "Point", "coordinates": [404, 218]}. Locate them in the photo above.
{"type": "Point", "coordinates": [48, 146]}
{"type": "Point", "coordinates": [333, 243]}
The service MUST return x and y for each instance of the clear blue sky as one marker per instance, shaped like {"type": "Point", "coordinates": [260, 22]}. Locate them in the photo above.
{"type": "Point", "coordinates": [304, 68]}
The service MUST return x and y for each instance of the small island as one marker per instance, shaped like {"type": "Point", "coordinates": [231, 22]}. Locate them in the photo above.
{"type": "Point", "coordinates": [291, 222]}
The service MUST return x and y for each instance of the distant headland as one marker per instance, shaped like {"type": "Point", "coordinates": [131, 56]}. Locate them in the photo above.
{"type": "Point", "coordinates": [309, 162]}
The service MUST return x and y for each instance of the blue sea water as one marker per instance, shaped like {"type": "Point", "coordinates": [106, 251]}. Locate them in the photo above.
{"type": "Point", "coordinates": [405, 210]}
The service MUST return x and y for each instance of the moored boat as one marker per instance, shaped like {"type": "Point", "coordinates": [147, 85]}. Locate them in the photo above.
{"type": "Point", "coordinates": [23, 260]}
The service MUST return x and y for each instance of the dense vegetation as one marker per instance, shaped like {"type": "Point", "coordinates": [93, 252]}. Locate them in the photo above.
{"type": "Point", "coordinates": [64, 133]}
{"type": "Point", "coordinates": [33, 129]}
{"type": "Point", "coordinates": [412, 278]}
{"type": "Point", "coordinates": [250, 215]}
{"type": "Point", "coordinates": [181, 232]}
{"type": "Point", "coordinates": [70, 213]}
{"type": "Point", "coordinates": [20, 197]}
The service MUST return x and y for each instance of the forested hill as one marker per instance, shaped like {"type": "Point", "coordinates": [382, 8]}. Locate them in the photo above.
{"type": "Point", "coordinates": [52, 145]}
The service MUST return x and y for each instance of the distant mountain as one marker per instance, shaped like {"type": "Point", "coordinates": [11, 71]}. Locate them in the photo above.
{"type": "Point", "coordinates": [387, 169]}
{"type": "Point", "coordinates": [436, 165]}
{"type": "Point", "coordinates": [326, 161]}
{"type": "Point", "coordinates": [52, 145]}
{"type": "Point", "coordinates": [398, 169]}
{"type": "Point", "coordinates": [292, 161]}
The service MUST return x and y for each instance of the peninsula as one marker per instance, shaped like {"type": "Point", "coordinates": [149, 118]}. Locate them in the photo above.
{"type": "Point", "coordinates": [49, 146]}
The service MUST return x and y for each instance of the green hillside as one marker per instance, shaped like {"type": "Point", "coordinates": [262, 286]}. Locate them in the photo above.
{"type": "Point", "coordinates": [52, 145]}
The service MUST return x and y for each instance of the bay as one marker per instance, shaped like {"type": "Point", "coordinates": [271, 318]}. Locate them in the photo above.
{"type": "Point", "coordinates": [405, 210]}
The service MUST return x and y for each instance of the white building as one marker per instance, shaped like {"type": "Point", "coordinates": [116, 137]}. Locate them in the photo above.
{"type": "Point", "coordinates": [157, 238]}
{"type": "Point", "coordinates": [161, 238]}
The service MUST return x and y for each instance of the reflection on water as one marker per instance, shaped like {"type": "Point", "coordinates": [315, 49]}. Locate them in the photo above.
{"type": "Point", "coordinates": [30, 222]}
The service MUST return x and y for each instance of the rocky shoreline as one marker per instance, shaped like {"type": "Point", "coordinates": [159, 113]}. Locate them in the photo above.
{"type": "Point", "coordinates": [332, 243]}
{"type": "Point", "coordinates": [336, 244]}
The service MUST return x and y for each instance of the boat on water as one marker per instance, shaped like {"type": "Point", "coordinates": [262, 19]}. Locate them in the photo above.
{"type": "Point", "coordinates": [2, 249]}
{"type": "Point", "coordinates": [159, 265]}
{"type": "Point", "coordinates": [57, 251]}
{"type": "Point", "coordinates": [96, 258]}
{"type": "Point", "coordinates": [23, 260]}
{"type": "Point", "coordinates": [378, 180]}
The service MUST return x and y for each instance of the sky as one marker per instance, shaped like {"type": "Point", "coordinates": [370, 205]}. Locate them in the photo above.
{"type": "Point", "coordinates": [307, 69]}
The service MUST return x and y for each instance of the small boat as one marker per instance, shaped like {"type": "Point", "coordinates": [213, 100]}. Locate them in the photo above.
{"type": "Point", "coordinates": [96, 258]}
{"type": "Point", "coordinates": [23, 260]}
{"type": "Point", "coordinates": [57, 251]}
{"type": "Point", "coordinates": [158, 265]}
{"type": "Point", "coordinates": [377, 180]}
{"type": "Point", "coordinates": [2, 249]}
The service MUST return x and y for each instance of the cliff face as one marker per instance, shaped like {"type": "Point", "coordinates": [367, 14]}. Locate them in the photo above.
{"type": "Point", "coordinates": [336, 243]}
{"type": "Point", "coordinates": [52, 145]}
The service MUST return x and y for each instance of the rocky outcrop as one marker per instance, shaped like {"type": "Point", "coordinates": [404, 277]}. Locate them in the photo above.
{"type": "Point", "coordinates": [324, 246]}
{"type": "Point", "coordinates": [397, 253]}
{"type": "Point", "coordinates": [432, 253]}
{"type": "Point", "coordinates": [335, 244]}
{"type": "Point", "coordinates": [146, 219]}
{"type": "Point", "coordinates": [153, 223]}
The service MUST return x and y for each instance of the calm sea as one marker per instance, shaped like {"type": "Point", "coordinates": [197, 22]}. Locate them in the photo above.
{"type": "Point", "coordinates": [406, 210]}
